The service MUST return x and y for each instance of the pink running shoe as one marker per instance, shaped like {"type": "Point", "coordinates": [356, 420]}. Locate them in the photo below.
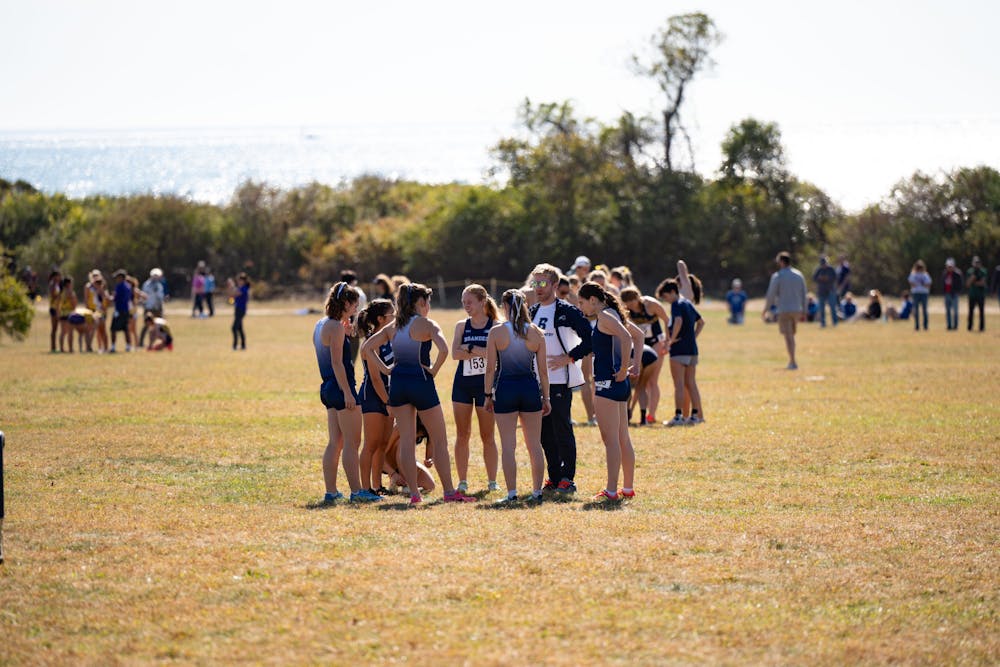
{"type": "Point", "coordinates": [415, 500]}
{"type": "Point", "coordinates": [459, 497]}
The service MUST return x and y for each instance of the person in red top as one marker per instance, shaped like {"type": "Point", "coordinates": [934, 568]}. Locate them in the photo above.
{"type": "Point", "coordinates": [952, 283]}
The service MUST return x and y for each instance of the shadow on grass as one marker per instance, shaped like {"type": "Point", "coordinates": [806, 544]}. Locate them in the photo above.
{"type": "Point", "coordinates": [605, 505]}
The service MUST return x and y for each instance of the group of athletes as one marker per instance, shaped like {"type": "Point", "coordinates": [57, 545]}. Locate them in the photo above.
{"type": "Point", "coordinates": [519, 362]}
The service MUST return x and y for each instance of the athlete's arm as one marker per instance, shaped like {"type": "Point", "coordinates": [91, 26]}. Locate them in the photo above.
{"type": "Point", "coordinates": [337, 337]}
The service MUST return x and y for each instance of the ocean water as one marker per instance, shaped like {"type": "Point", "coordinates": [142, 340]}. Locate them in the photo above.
{"type": "Point", "coordinates": [209, 164]}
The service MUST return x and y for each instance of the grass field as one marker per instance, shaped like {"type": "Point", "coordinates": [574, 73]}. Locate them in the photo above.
{"type": "Point", "coordinates": [162, 508]}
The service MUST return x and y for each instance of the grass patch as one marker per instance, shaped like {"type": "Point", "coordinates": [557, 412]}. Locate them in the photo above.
{"type": "Point", "coordinates": [165, 507]}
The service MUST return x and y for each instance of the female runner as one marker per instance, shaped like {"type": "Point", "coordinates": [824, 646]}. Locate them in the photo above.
{"type": "Point", "coordinates": [614, 346]}
{"type": "Point", "coordinates": [518, 347]}
{"type": "Point", "coordinates": [411, 385]}
{"type": "Point", "coordinates": [469, 348]}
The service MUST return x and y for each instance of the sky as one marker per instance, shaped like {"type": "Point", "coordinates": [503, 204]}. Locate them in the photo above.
{"type": "Point", "coordinates": [864, 93]}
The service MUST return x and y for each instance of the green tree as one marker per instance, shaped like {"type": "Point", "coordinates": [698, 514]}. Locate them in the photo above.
{"type": "Point", "coordinates": [16, 312]}
{"type": "Point", "coordinates": [679, 52]}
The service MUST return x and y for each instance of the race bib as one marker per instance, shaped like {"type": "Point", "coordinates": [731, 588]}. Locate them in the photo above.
{"type": "Point", "coordinates": [474, 366]}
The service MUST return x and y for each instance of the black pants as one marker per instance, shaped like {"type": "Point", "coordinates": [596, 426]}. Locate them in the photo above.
{"type": "Point", "coordinates": [980, 302]}
{"type": "Point", "coordinates": [238, 330]}
{"type": "Point", "coordinates": [211, 305]}
{"type": "Point", "coordinates": [558, 440]}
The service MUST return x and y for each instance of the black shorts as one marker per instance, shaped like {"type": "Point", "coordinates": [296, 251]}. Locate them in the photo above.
{"type": "Point", "coordinates": [120, 322]}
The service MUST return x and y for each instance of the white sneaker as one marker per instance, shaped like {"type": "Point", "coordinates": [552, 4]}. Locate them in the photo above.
{"type": "Point", "coordinates": [592, 422]}
{"type": "Point", "coordinates": [678, 420]}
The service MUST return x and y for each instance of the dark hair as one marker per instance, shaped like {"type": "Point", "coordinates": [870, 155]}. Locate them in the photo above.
{"type": "Point", "coordinates": [348, 276]}
{"type": "Point", "coordinates": [563, 281]}
{"type": "Point", "coordinates": [785, 258]}
{"type": "Point", "coordinates": [386, 283]}
{"type": "Point", "coordinates": [696, 287]}
{"type": "Point", "coordinates": [368, 318]}
{"type": "Point", "coordinates": [630, 294]}
{"type": "Point", "coordinates": [514, 299]}
{"type": "Point", "coordinates": [668, 285]}
{"type": "Point", "coordinates": [590, 289]}
{"type": "Point", "coordinates": [406, 301]}
{"type": "Point", "coordinates": [340, 295]}
{"type": "Point", "coordinates": [622, 273]}
{"type": "Point", "coordinates": [244, 277]}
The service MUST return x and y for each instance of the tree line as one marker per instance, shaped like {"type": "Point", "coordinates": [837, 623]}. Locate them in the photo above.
{"type": "Point", "coordinates": [620, 192]}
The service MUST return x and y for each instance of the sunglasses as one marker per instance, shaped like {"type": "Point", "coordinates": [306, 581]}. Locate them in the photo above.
{"type": "Point", "coordinates": [539, 283]}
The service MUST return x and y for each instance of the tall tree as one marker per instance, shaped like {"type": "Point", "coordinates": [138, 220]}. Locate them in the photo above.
{"type": "Point", "coordinates": [679, 52]}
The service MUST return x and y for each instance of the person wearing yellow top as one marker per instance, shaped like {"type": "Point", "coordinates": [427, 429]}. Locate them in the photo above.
{"type": "Point", "coordinates": [160, 337]}
{"type": "Point", "coordinates": [66, 305]}
{"type": "Point", "coordinates": [96, 296]}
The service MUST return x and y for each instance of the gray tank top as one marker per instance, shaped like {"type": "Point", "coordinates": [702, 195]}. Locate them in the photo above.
{"type": "Point", "coordinates": [517, 359]}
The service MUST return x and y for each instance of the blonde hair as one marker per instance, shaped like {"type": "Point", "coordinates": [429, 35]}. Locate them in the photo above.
{"type": "Point", "coordinates": [490, 305]}
{"type": "Point", "coordinates": [552, 272]}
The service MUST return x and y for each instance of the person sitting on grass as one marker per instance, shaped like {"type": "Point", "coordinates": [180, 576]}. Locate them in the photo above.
{"type": "Point", "coordinates": [873, 311]}
{"type": "Point", "coordinates": [160, 337]}
{"type": "Point", "coordinates": [391, 464]}
{"type": "Point", "coordinates": [904, 309]}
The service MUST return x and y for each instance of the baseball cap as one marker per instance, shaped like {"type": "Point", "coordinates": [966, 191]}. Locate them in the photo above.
{"type": "Point", "coordinates": [950, 261]}
{"type": "Point", "coordinates": [582, 260]}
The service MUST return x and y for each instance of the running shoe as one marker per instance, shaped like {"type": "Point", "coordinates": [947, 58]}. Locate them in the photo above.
{"type": "Point", "coordinates": [592, 422]}
{"type": "Point", "coordinates": [549, 485]}
{"type": "Point", "coordinates": [458, 497]}
{"type": "Point", "coordinates": [651, 420]}
{"type": "Point", "coordinates": [694, 420]}
{"type": "Point", "coordinates": [678, 420]}
{"type": "Point", "coordinates": [365, 496]}
{"type": "Point", "coordinates": [566, 487]}
{"type": "Point", "coordinates": [507, 501]}
{"type": "Point", "coordinates": [604, 495]}
{"type": "Point", "coordinates": [493, 487]}
{"type": "Point", "coordinates": [331, 498]}
{"type": "Point", "coordinates": [626, 494]}
{"type": "Point", "coordinates": [534, 500]}
{"type": "Point", "coordinates": [463, 486]}
{"type": "Point", "coordinates": [415, 500]}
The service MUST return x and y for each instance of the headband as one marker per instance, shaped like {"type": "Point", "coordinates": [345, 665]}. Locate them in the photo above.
{"type": "Point", "coordinates": [340, 289]}
{"type": "Point", "coordinates": [515, 301]}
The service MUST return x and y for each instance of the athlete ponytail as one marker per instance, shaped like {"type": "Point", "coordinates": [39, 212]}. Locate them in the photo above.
{"type": "Point", "coordinates": [490, 306]}
{"type": "Point", "coordinates": [517, 306]}
{"type": "Point", "coordinates": [340, 296]}
{"type": "Point", "coordinates": [367, 319]}
{"type": "Point", "coordinates": [592, 289]}
{"type": "Point", "coordinates": [406, 299]}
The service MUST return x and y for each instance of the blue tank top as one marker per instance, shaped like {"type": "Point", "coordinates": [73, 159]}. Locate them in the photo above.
{"type": "Point", "coordinates": [411, 355]}
{"type": "Point", "coordinates": [607, 352]}
{"type": "Point", "coordinates": [385, 354]}
{"type": "Point", "coordinates": [323, 355]}
{"type": "Point", "coordinates": [517, 360]}
{"type": "Point", "coordinates": [475, 338]}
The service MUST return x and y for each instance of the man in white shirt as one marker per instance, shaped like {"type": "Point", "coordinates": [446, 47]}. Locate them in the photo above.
{"type": "Point", "coordinates": [567, 341]}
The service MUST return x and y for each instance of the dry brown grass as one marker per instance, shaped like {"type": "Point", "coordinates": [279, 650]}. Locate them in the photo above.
{"type": "Point", "coordinates": [161, 507]}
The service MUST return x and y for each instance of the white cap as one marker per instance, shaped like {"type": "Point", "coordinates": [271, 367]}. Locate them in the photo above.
{"type": "Point", "coordinates": [737, 283]}
{"type": "Point", "coordinates": [950, 261]}
{"type": "Point", "coordinates": [155, 273]}
{"type": "Point", "coordinates": [582, 260]}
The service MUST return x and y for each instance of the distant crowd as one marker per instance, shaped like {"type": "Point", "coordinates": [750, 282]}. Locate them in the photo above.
{"type": "Point", "coordinates": [93, 323]}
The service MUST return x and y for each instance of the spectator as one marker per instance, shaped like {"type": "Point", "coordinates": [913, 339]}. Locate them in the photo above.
{"type": "Point", "coordinates": [873, 311]}
{"type": "Point", "coordinates": [811, 307]}
{"type": "Point", "coordinates": [737, 300]}
{"type": "Point", "coordinates": [153, 305]}
{"type": "Point", "coordinates": [843, 277]}
{"type": "Point", "coordinates": [198, 291]}
{"type": "Point", "coordinates": [920, 289]}
{"type": "Point", "coordinates": [952, 281]}
{"type": "Point", "coordinates": [580, 268]}
{"type": "Point", "coordinates": [995, 282]}
{"type": "Point", "coordinates": [825, 277]}
{"type": "Point", "coordinates": [904, 310]}
{"type": "Point", "coordinates": [210, 291]}
{"type": "Point", "coordinates": [787, 291]}
{"type": "Point", "coordinates": [976, 280]}
{"type": "Point", "coordinates": [848, 309]}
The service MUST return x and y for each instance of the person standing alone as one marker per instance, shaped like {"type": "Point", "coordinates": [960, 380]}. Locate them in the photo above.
{"type": "Point", "coordinates": [825, 278]}
{"type": "Point", "coordinates": [952, 283]}
{"type": "Point", "coordinates": [976, 282]}
{"type": "Point", "coordinates": [787, 291]}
